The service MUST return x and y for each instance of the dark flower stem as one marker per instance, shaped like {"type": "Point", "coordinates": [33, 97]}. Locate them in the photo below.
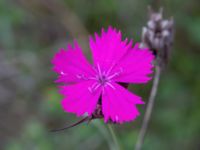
{"type": "Point", "coordinates": [149, 108]}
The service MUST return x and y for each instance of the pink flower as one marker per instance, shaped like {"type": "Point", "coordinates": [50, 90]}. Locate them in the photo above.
{"type": "Point", "coordinates": [114, 62]}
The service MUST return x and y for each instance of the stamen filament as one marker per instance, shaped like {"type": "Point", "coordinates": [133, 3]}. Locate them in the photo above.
{"type": "Point", "coordinates": [102, 78]}
{"type": "Point", "coordinates": [109, 84]}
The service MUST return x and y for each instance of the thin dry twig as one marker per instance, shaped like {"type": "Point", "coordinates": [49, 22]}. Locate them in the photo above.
{"type": "Point", "coordinates": [148, 112]}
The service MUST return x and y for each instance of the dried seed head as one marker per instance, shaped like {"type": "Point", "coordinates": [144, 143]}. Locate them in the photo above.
{"type": "Point", "coordinates": [158, 35]}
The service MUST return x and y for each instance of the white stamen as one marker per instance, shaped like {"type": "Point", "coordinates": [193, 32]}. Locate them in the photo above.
{"type": "Point", "coordinates": [94, 87]}
{"type": "Point", "coordinates": [90, 89]}
{"type": "Point", "coordinates": [109, 70]}
{"type": "Point", "coordinates": [92, 78]}
{"type": "Point", "coordinates": [116, 118]}
{"type": "Point", "coordinates": [115, 74]}
{"type": "Point", "coordinates": [99, 70]}
{"type": "Point", "coordinates": [102, 78]}
{"type": "Point", "coordinates": [81, 76]}
{"type": "Point", "coordinates": [109, 84]}
{"type": "Point", "coordinates": [97, 86]}
{"type": "Point", "coordinates": [62, 73]}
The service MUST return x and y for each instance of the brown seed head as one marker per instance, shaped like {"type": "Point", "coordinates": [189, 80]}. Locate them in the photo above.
{"type": "Point", "coordinates": [158, 35]}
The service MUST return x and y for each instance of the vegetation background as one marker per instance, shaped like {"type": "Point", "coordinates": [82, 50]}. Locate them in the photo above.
{"type": "Point", "coordinates": [32, 31]}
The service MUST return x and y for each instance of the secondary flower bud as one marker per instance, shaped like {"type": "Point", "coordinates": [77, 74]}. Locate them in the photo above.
{"type": "Point", "coordinates": [158, 35]}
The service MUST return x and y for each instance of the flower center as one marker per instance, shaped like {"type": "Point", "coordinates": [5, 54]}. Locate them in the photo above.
{"type": "Point", "coordinates": [102, 78]}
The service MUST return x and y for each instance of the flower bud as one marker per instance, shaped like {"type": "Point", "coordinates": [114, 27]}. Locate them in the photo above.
{"type": "Point", "coordinates": [158, 35]}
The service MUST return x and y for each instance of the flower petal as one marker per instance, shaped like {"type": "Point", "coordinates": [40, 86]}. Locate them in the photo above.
{"type": "Point", "coordinates": [135, 66]}
{"type": "Point", "coordinates": [78, 99]}
{"type": "Point", "coordinates": [108, 48]}
{"type": "Point", "coordinates": [119, 105]}
{"type": "Point", "coordinates": [71, 65]}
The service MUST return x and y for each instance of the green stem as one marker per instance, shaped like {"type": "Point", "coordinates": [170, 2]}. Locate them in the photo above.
{"type": "Point", "coordinates": [114, 137]}
{"type": "Point", "coordinates": [150, 105]}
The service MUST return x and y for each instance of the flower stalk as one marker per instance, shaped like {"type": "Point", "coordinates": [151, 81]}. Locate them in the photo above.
{"type": "Point", "coordinates": [114, 137]}
{"type": "Point", "coordinates": [157, 36]}
{"type": "Point", "coordinates": [148, 112]}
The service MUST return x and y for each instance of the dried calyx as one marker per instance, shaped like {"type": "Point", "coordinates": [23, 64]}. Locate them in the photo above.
{"type": "Point", "coordinates": [158, 35]}
{"type": "Point", "coordinates": [98, 114]}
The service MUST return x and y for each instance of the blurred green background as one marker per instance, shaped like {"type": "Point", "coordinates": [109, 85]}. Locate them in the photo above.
{"type": "Point", "coordinates": [31, 31]}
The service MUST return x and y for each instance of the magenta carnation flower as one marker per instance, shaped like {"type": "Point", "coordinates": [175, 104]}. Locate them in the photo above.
{"type": "Point", "coordinates": [87, 86]}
